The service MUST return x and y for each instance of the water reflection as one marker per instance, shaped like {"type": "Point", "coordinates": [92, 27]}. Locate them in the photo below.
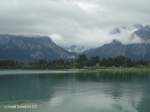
{"type": "Point", "coordinates": [70, 93]}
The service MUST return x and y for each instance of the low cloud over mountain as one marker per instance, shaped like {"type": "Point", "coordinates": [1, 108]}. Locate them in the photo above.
{"type": "Point", "coordinates": [73, 22]}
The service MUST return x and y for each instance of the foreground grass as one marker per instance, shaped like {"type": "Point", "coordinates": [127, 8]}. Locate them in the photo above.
{"type": "Point", "coordinates": [117, 73]}
{"type": "Point", "coordinates": [117, 70]}
{"type": "Point", "coordinates": [112, 73]}
{"type": "Point", "coordinates": [100, 70]}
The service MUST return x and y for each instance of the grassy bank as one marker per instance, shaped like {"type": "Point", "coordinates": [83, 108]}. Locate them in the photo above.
{"type": "Point", "coordinates": [99, 70]}
{"type": "Point", "coordinates": [117, 73]}
{"type": "Point", "coordinates": [116, 70]}
{"type": "Point", "coordinates": [112, 73]}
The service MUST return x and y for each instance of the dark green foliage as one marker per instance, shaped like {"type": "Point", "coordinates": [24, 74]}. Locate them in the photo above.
{"type": "Point", "coordinates": [81, 62]}
{"type": "Point", "coordinates": [118, 61]}
{"type": "Point", "coordinates": [93, 61]}
{"type": "Point", "coordinates": [8, 63]}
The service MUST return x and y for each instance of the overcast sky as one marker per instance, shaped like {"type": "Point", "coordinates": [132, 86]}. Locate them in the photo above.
{"type": "Point", "coordinates": [81, 22]}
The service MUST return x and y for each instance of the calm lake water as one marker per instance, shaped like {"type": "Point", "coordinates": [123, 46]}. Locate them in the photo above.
{"type": "Point", "coordinates": [73, 93]}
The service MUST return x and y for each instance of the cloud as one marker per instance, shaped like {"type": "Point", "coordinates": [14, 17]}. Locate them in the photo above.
{"type": "Point", "coordinates": [83, 22]}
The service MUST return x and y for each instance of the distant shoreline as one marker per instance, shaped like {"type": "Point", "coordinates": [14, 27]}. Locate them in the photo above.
{"type": "Point", "coordinates": [102, 70]}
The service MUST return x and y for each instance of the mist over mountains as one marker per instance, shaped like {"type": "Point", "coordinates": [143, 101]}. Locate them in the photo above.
{"type": "Point", "coordinates": [132, 34]}
{"type": "Point", "coordinates": [135, 44]}
{"type": "Point", "coordinates": [75, 48]}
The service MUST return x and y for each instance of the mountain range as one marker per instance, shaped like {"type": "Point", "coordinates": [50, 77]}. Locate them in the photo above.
{"type": "Point", "coordinates": [26, 48]}
{"type": "Point", "coordinates": [139, 51]}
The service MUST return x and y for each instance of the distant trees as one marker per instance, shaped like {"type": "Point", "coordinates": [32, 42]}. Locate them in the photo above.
{"type": "Point", "coordinates": [108, 62]}
{"type": "Point", "coordinates": [93, 61]}
{"type": "Point", "coordinates": [7, 63]}
{"type": "Point", "coordinates": [80, 62]}
{"type": "Point", "coordinates": [117, 61]}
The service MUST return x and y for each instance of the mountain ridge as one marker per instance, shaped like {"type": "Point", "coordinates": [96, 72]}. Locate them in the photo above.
{"type": "Point", "coordinates": [136, 51]}
{"type": "Point", "coordinates": [19, 47]}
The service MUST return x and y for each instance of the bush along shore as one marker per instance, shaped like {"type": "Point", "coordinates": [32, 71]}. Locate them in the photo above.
{"type": "Point", "coordinates": [82, 62]}
{"type": "Point", "coordinates": [94, 67]}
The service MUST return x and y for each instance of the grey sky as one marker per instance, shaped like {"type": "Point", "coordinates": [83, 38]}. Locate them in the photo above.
{"type": "Point", "coordinates": [85, 22]}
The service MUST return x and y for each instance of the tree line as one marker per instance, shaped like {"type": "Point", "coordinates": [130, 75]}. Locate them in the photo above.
{"type": "Point", "coordinates": [81, 62]}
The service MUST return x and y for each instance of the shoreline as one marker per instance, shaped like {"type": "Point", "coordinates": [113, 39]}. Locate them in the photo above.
{"type": "Point", "coordinates": [103, 70]}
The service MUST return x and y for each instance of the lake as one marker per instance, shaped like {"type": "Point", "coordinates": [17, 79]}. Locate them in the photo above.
{"type": "Point", "coordinates": [71, 92]}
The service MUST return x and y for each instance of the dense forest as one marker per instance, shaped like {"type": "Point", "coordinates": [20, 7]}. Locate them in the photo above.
{"type": "Point", "coordinates": [81, 62]}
